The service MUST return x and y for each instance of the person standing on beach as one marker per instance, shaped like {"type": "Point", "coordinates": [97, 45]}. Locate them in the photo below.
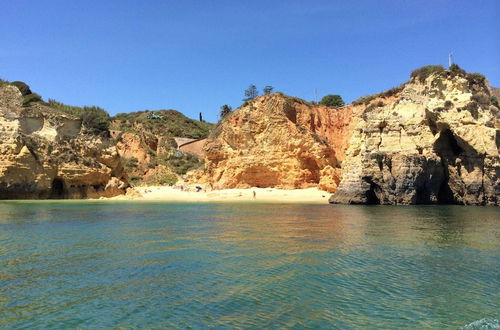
{"type": "Point", "coordinates": [254, 194]}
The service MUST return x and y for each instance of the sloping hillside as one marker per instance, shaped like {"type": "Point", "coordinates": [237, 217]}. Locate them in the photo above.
{"type": "Point", "coordinates": [145, 140]}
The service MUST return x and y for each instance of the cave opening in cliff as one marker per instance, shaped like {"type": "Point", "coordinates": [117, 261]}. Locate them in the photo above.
{"type": "Point", "coordinates": [371, 194]}
{"type": "Point", "coordinates": [57, 189]}
{"type": "Point", "coordinates": [446, 147]}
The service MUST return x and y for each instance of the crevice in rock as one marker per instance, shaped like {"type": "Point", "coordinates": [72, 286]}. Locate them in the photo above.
{"type": "Point", "coordinates": [431, 119]}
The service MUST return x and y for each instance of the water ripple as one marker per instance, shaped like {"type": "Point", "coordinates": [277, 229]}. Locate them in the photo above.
{"type": "Point", "coordinates": [156, 265]}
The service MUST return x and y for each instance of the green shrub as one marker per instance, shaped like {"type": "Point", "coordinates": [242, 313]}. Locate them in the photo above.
{"type": "Point", "coordinates": [167, 179]}
{"type": "Point", "coordinates": [23, 88]}
{"type": "Point", "coordinates": [424, 72]}
{"type": "Point", "coordinates": [454, 68]}
{"type": "Point", "coordinates": [33, 97]}
{"type": "Point", "coordinates": [171, 123]}
{"type": "Point", "coordinates": [129, 163]}
{"type": "Point", "coordinates": [134, 180]}
{"type": "Point", "coordinates": [160, 178]}
{"type": "Point", "coordinates": [181, 164]}
{"type": "Point", "coordinates": [332, 100]}
{"type": "Point", "coordinates": [225, 110]}
{"type": "Point", "coordinates": [494, 101]}
{"type": "Point", "coordinates": [95, 120]}
{"type": "Point", "coordinates": [475, 78]}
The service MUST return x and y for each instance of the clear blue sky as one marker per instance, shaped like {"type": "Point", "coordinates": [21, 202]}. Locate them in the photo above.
{"type": "Point", "coordinates": [194, 56]}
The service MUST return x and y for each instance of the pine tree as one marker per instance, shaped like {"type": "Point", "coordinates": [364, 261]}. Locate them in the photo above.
{"type": "Point", "coordinates": [225, 110]}
{"type": "Point", "coordinates": [251, 93]}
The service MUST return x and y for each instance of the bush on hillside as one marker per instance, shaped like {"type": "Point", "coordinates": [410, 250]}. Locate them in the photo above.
{"type": "Point", "coordinates": [181, 164]}
{"type": "Point", "coordinates": [94, 119]}
{"type": "Point", "coordinates": [172, 123]}
{"type": "Point", "coordinates": [454, 68]}
{"type": "Point", "coordinates": [225, 110]}
{"type": "Point", "coordinates": [33, 97]}
{"type": "Point", "coordinates": [23, 88]}
{"type": "Point", "coordinates": [129, 163]}
{"type": "Point", "coordinates": [424, 72]}
{"type": "Point", "coordinates": [332, 100]}
{"type": "Point", "coordinates": [494, 101]}
{"type": "Point", "coordinates": [475, 78]}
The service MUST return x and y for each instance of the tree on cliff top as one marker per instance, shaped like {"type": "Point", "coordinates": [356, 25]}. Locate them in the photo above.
{"type": "Point", "coordinates": [251, 93]}
{"type": "Point", "coordinates": [333, 101]}
{"type": "Point", "coordinates": [267, 90]}
{"type": "Point", "coordinates": [225, 110]}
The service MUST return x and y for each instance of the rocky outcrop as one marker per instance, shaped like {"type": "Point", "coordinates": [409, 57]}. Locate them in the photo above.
{"type": "Point", "coordinates": [437, 141]}
{"type": "Point", "coordinates": [278, 141]}
{"type": "Point", "coordinates": [45, 154]}
{"type": "Point", "coordinates": [194, 148]}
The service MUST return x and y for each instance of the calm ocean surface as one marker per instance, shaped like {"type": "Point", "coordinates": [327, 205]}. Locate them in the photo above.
{"type": "Point", "coordinates": [157, 265]}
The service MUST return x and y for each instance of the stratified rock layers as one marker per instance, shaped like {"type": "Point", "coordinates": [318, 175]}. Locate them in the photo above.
{"type": "Point", "coordinates": [44, 154]}
{"type": "Point", "coordinates": [436, 142]}
{"type": "Point", "coordinates": [433, 141]}
{"type": "Point", "coordinates": [278, 141]}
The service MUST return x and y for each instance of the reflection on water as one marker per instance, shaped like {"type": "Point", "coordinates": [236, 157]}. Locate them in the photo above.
{"type": "Point", "coordinates": [87, 264]}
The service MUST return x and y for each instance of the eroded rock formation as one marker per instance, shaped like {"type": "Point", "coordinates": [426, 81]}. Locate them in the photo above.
{"type": "Point", "coordinates": [437, 141]}
{"type": "Point", "coordinates": [44, 154]}
{"type": "Point", "coordinates": [278, 141]}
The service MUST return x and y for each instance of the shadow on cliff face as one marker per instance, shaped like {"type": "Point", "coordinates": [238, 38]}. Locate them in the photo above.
{"type": "Point", "coordinates": [456, 156]}
{"type": "Point", "coordinates": [57, 190]}
{"type": "Point", "coordinates": [371, 195]}
{"type": "Point", "coordinates": [447, 148]}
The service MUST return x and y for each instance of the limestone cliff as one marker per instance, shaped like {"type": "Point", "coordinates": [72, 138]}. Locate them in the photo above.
{"type": "Point", "coordinates": [278, 141]}
{"type": "Point", "coordinates": [436, 141]}
{"type": "Point", "coordinates": [45, 153]}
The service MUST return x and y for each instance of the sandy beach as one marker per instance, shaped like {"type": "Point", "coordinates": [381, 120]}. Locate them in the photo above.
{"type": "Point", "coordinates": [162, 193]}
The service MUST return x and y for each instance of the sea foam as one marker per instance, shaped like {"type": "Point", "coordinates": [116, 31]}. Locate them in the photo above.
{"type": "Point", "coordinates": [483, 324]}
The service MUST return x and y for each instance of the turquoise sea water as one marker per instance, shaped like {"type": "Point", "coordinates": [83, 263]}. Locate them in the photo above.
{"type": "Point", "coordinates": [159, 265]}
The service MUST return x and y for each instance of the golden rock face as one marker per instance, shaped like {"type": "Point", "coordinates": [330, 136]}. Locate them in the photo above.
{"type": "Point", "coordinates": [432, 143]}
{"type": "Point", "coordinates": [278, 141]}
{"type": "Point", "coordinates": [44, 154]}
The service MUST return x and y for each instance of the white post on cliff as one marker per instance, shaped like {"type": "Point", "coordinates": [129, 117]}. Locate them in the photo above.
{"type": "Point", "coordinates": [450, 60]}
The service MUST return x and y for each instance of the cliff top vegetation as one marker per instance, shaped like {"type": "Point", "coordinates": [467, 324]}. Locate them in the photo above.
{"type": "Point", "coordinates": [161, 122]}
